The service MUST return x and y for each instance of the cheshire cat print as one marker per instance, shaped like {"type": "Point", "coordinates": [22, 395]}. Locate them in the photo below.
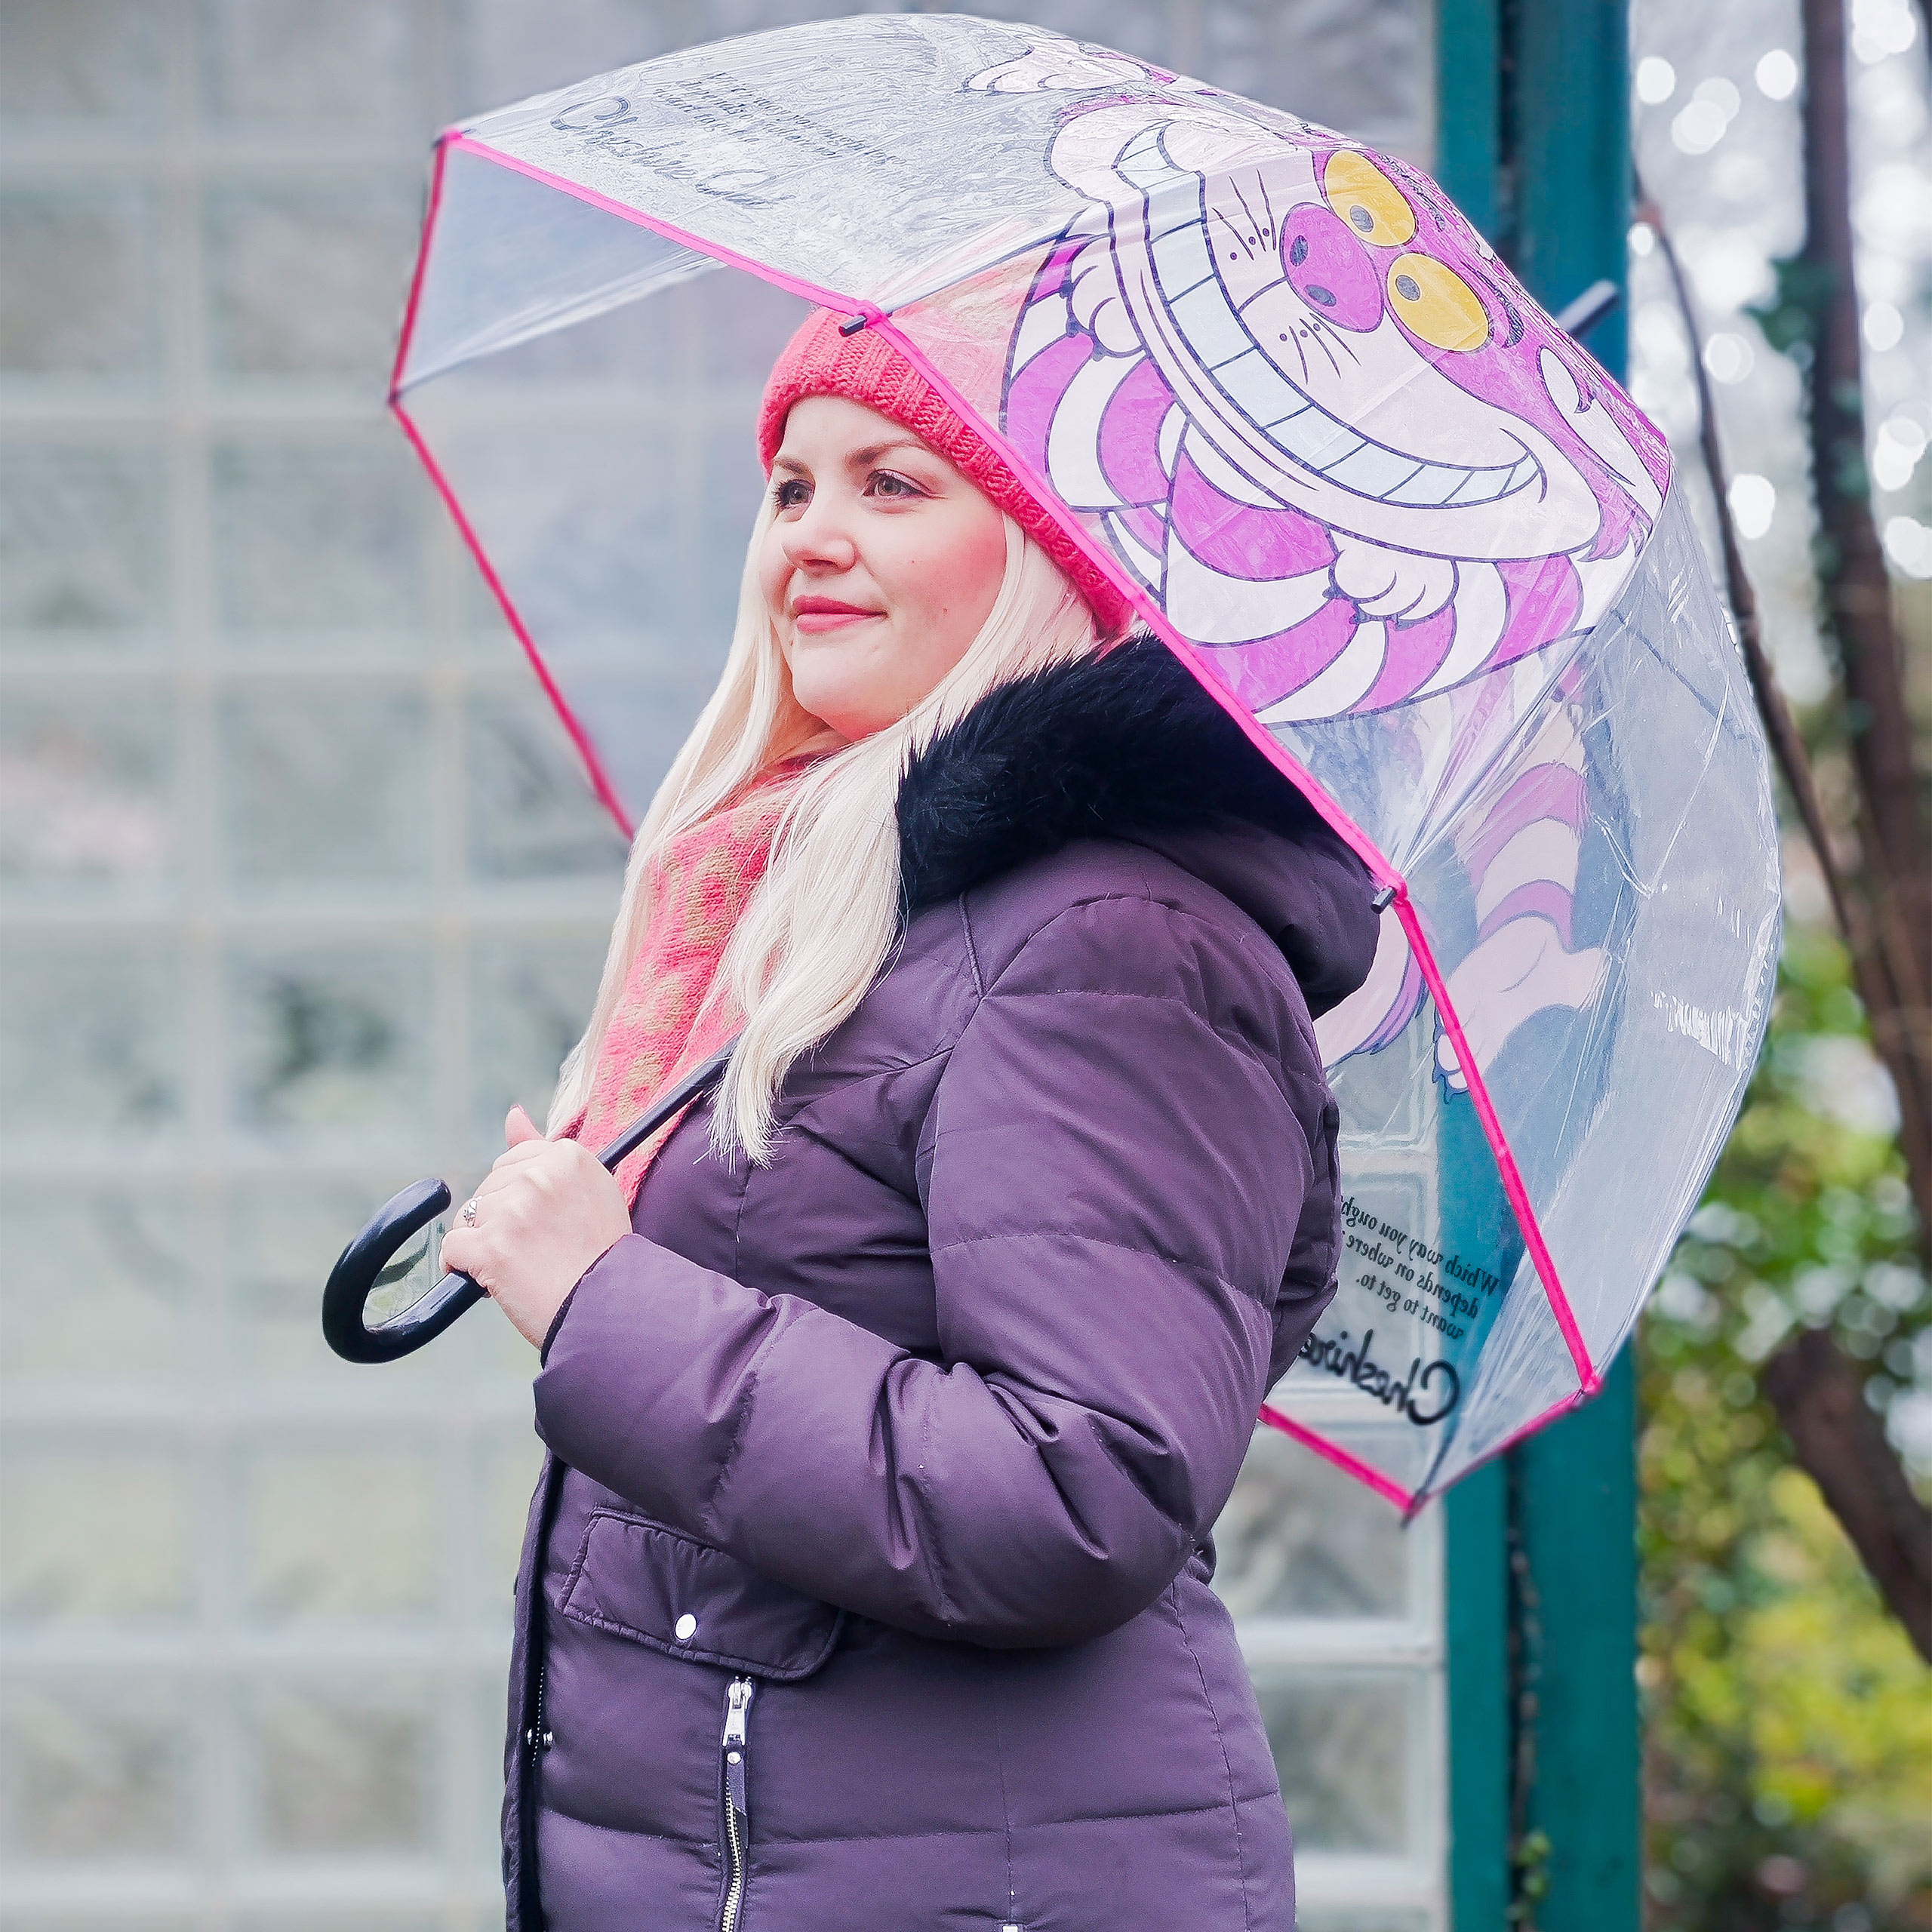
{"type": "Point", "coordinates": [1317, 423]}
{"type": "Point", "coordinates": [1521, 852]}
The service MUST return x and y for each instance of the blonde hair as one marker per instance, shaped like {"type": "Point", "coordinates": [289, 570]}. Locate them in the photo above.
{"type": "Point", "coordinates": [823, 920]}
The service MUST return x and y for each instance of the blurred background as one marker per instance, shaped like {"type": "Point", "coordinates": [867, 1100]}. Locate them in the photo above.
{"type": "Point", "coordinates": [302, 886]}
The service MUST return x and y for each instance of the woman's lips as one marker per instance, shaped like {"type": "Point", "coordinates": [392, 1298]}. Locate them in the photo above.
{"type": "Point", "coordinates": [814, 614]}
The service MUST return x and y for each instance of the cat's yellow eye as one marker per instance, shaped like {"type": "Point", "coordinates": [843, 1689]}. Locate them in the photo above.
{"type": "Point", "coordinates": [1434, 302]}
{"type": "Point", "coordinates": [1367, 199]}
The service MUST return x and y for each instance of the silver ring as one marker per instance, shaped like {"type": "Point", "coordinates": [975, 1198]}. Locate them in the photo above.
{"type": "Point", "coordinates": [468, 1215]}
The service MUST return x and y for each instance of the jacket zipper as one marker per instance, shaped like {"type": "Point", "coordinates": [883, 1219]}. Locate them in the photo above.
{"type": "Point", "coordinates": [537, 1737]}
{"type": "Point", "coordinates": [735, 1752]}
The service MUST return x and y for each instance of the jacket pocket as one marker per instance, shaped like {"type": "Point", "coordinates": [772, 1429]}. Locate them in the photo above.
{"type": "Point", "coordinates": [658, 1587]}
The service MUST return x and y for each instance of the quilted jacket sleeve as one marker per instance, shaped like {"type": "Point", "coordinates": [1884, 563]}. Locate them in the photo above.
{"type": "Point", "coordinates": [1113, 1167]}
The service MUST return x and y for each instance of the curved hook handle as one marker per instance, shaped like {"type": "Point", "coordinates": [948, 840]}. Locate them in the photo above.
{"type": "Point", "coordinates": [369, 1262]}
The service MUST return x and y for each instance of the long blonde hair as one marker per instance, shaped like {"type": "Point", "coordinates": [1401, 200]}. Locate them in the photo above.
{"type": "Point", "coordinates": [820, 926]}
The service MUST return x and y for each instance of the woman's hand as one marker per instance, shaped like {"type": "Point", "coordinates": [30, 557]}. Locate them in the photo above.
{"type": "Point", "coordinates": [545, 1212]}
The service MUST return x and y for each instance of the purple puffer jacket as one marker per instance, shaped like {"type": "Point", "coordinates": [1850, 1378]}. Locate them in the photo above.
{"type": "Point", "coordinates": [870, 1565]}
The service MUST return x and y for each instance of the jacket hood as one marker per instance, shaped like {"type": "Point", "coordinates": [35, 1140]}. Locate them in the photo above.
{"type": "Point", "coordinates": [1128, 746]}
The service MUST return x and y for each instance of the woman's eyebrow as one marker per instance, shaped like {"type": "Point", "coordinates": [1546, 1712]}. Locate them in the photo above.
{"type": "Point", "coordinates": [857, 458]}
{"type": "Point", "coordinates": [872, 452]}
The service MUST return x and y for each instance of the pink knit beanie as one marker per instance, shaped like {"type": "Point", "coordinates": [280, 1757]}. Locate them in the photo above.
{"type": "Point", "coordinates": [866, 367]}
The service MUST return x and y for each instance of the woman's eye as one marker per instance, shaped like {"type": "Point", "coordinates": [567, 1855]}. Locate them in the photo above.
{"type": "Point", "coordinates": [884, 483]}
{"type": "Point", "coordinates": [793, 493]}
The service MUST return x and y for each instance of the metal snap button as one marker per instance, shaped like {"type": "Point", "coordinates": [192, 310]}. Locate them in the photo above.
{"type": "Point", "coordinates": [687, 1628]}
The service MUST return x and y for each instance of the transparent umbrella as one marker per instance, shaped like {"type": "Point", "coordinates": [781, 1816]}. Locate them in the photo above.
{"type": "Point", "coordinates": [1395, 520]}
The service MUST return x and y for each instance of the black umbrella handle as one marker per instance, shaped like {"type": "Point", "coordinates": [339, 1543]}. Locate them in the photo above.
{"type": "Point", "coordinates": [367, 1263]}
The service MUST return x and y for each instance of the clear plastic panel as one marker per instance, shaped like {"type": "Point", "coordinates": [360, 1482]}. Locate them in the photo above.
{"type": "Point", "coordinates": [1622, 869]}
{"type": "Point", "coordinates": [1604, 910]}
{"type": "Point", "coordinates": [1432, 1257]}
{"type": "Point", "coordinates": [513, 259]}
{"type": "Point", "coordinates": [875, 158]}
{"type": "Point", "coordinates": [604, 462]}
{"type": "Point", "coordinates": [1527, 1377]}
{"type": "Point", "coordinates": [1405, 773]}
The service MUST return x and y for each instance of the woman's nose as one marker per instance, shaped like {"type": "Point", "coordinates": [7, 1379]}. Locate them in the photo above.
{"type": "Point", "coordinates": [820, 539]}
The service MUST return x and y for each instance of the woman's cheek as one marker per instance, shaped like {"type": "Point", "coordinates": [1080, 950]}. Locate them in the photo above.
{"type": "Point", "coordinates": [946, 594]}
{"type": "Point", "coordinates": [774, 576]}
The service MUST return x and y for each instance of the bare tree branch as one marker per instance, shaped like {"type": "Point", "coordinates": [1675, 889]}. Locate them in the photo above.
{"type": "Point", "coordinates": [1820, 1399]}
{"type": "Point", "coordinates": [1871, 964]}
{"type": "Point", "coordinates": [1882, 898]}
{"type": "Point", "coordinates": [1896, 871]}
{"type": "Point", "coordinates": [1925, 22]}
{"type": "Point", "coordinates": [1787, 747]}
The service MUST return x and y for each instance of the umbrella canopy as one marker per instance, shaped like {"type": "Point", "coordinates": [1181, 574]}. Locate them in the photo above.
{"type": "Point", "coordinates": [1396, 521]}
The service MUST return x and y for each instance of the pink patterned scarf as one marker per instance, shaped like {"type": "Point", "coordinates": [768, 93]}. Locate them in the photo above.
{"type": "Point", "coordinates": [666, 1021]}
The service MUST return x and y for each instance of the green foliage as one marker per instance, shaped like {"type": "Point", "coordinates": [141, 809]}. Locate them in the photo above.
{"type": "Point", "coordinates": [1531, 1859]}
{"type": "Point", "coordinates": [1788, 1722]}
{"type": "Point", "coordinates": [1791, 322]}
{"type": "Point", "coordinates": [1792, 318]}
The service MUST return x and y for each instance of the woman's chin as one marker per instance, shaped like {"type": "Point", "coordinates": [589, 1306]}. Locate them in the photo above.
{"type": "Point", "coordinates": [844, 724]}
{"type": "Point", "coordinates": [846, 705]}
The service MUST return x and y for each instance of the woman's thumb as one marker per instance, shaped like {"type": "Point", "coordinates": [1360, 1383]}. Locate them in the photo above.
{"type": "Point", "coordinates": [518, 1127]}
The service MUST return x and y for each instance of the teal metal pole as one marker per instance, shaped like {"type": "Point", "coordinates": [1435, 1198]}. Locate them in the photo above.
{"type": "Point", "coordinates": [1533, 144]}
{"type": "Point", "coordinates": [1575, 1491]}
{"type": "Point", "coordinates": [1476, 1514]}
{"type": "Point", "coordinates": [1566, 159]}
{"type": "Point", "coordinates": [1469, 123]}
{"type": "Point", "coordinates": [1469, 67]}
{"type": "Point", "coordinates": [1567, 131]}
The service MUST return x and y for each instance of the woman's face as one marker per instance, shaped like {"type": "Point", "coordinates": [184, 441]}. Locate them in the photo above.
{"type": "Point", "coordinates": [881, 567]}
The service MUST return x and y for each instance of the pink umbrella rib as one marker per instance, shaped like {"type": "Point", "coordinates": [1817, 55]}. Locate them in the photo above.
{"type": "Point", "coordinates": [1384, 1487]}
{"type": "Point", "coordinates": [729, 257]}
{"type": "Point", "coordinates": [600, 778]}
{"type": "Point", "coordinates": [1358, 841]}
{"type": "Point", "coordinates": [1555, 1413]}
{"type": "Point", "coordinates": [1498, 1147]}
{"type": "Point", "coordinates": [430, 213]}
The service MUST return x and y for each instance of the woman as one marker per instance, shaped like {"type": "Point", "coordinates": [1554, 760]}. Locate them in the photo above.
{"type": "Point", "coordinates": [867, 1582]}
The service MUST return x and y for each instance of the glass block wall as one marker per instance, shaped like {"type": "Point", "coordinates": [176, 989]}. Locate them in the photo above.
{"type": "Point", "coordinates": [301, 888]}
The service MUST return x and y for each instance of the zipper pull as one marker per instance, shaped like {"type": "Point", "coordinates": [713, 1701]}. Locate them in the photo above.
{"type": "Point", "coordinates": [737, 1706]}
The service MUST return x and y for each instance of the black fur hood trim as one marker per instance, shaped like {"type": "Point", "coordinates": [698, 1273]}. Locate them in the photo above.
{"type": "Point", "coordinates": [1129, 745]}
